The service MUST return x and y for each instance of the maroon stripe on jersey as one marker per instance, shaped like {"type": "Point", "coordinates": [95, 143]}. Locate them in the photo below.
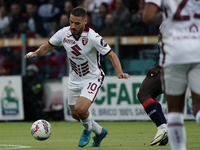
{"type": "Point", "coordinates": [197, 16]}
{"type": "Point", "coordinates": [162, 79]}
{"type": "Point", "coordinates": [51, 44]}
{"type": "Point", "coordinates": [86, 72]}
{"type": "Point", "coordinates": [162, 49]}
{"type": "Point", "coordinates": [84, 63]}
{"type": "Point", "coordinates": [108, 52]}
{"type": "Point", "coordinates": [86, 66]}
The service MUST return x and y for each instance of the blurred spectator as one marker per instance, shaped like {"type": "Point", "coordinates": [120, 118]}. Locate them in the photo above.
{"type": "Point", "coordinates": [23, 31]}
{"type": "Point", "coordinates": [64, 21]}
{"type": "Point", "coordinates": [97, 18]}
{"type": "Point", "coordinates": [121, 16]}
{"type": "Point", "coordinates": [68, 6]}
{"type": "Point", "coordinates": [89, 24]}
{"type": "Point", "coordinates": [85, 4]}
{"type": "Point", "coordinates": [33, 21]}
{"type": "Point", "coordinates": [95, 5]}
{"type": "Point", "coordinates": [109, 28]}
{"type": "Point", "coordinates": [33, 94]}
{"type": "Point", "coordinates": [4, 20]}
{"type": "Point", "coordinates": [49, 13]}
{"type": "Point", "coordinates": [4, 71]}
{"type": "Point", "coordinates": [16, 18]}
{"type": "Point", "coordinates": [137, 26]}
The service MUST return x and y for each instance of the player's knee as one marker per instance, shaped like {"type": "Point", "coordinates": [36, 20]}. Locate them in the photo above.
{"type": "Point", "coordinates": [74, 116]}
{"type": "Point", "coordinates": [80, 111]}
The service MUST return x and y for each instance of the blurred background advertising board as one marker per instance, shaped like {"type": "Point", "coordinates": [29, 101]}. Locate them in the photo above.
{"type": "Point", "coordinates": [11, 105]}
{"type": "Point", "coordinates": [117, 101]}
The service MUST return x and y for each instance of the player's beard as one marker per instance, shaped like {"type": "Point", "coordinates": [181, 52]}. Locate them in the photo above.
{"type": "Point", "coordinates": [78, 32]}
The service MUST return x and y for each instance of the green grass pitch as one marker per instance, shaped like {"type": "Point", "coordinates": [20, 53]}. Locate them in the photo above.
{"type": "Point", "coordinates": [65, 136]}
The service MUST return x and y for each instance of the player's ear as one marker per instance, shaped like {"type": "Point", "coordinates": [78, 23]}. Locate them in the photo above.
{"type": "Point", "coordinates": [85, 21]}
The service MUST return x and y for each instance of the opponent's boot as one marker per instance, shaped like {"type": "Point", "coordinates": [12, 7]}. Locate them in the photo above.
{"type": "Point", "coordinates": [161, 135]}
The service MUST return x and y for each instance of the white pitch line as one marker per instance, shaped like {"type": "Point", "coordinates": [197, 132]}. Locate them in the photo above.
{"type": "Point", "coordinates": [13, 146]}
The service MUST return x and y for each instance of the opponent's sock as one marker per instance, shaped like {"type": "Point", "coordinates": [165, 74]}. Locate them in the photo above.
{"type": "Point", "coordinates": [197, 118]}
{"type": "Point", "coordinates": [151, 110]}
{"type": "Point", "coordinates": [159, 108]}
{"type": "Point", "coordinates": [162, 126]}
{"type": "Point", "coordinates": [176, 131]}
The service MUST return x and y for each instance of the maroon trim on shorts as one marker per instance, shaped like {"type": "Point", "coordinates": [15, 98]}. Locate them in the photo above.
{"type": "Point", "coordinates": [172, 124]}
{"type": "Point", "coordinates": [102, 75]}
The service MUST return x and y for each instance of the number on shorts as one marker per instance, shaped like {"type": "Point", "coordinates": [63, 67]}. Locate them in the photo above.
{"type": "Point", "coordinates": [92, 86]}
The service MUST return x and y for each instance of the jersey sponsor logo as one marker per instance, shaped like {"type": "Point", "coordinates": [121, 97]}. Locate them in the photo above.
{"type": "Point", "coordinates": [103, 43]}
{"type": "Point", "coordinates": [68, 41]}
{"type": "Point", "coordinates": [75, 50]}
{"type": "Point", "coordinates": [84, 41]}
{"type": "Point", "coordinates": [193, 28]}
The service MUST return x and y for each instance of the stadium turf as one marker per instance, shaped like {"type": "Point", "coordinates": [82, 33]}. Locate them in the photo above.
{"type": "Point", "coordinates": [65, 136]}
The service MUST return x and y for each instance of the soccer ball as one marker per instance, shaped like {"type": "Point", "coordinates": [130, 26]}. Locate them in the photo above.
{"type": "Point", "coordinates": [41, 130]}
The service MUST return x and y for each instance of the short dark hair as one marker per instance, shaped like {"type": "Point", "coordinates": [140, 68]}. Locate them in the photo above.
{"type": "Point", "coordinates": [79, 12]}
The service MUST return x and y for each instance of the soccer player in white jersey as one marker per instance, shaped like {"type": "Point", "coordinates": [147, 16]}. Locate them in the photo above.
{"type": "Point", "coordinates": [179, 59]}
{"type": "Point", "coordinates": [83, 47]}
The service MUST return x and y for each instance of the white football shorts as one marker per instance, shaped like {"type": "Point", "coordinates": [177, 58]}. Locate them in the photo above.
{"type": "Point", "coordinates": [88, 90]}
{"type": "Point", "coordinates": [176, 78]}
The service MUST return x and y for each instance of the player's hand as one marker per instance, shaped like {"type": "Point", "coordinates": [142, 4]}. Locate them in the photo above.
{"type": "Point", "coordinates": [123, 76]}
{"type": "Point", "coordinates": [153, 71]}
{"type": "Point", "coordinates": [30, 55]}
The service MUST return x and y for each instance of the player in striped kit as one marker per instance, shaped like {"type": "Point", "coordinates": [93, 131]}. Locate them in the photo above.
{"type": "Point", "coordinates": [179, 59]}
{"type": "Point", "coordinates": [83, 47]}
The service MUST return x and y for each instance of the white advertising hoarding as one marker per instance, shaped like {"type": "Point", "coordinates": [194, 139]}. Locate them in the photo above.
{"type": "Point", "coordinates": [117, 101]}
{"type": "Point", "coordinates": [11, 106]}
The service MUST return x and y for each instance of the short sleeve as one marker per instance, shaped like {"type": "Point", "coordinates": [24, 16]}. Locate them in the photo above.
{"type": "Point", "coordinates": [56, 39]}
{"type": "Point", "coordinates": [156, 2]}
{"type": "Point", "coordinates": [101, 46]}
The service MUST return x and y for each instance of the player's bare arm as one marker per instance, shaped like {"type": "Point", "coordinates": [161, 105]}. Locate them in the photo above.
{"type": "Point", "coordinates": [152, 15]}
{"type": "Point", "coordinates": [117, 65]}
{"type": "Point", "coordinates": [42, 50]}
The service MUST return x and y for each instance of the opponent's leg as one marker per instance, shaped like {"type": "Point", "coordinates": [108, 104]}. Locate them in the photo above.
{"type": "Point", "coordinates": [196, 106]}
{"type": "Point", "coordinates": [151, 88]}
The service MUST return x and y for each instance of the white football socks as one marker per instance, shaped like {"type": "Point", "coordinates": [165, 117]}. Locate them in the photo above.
{"type": "Point", "coordinates": [162, 126]}
{"type": "Point", "coordinates": [90, 124]}
{"type": "Point", "coordinates": [176, 131]}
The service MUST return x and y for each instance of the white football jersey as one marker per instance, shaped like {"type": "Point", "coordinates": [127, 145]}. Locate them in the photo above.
{"type": "Point", "coordinates": [83, 54]}
{"type": "Point", "coordinates": [180, 31]}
